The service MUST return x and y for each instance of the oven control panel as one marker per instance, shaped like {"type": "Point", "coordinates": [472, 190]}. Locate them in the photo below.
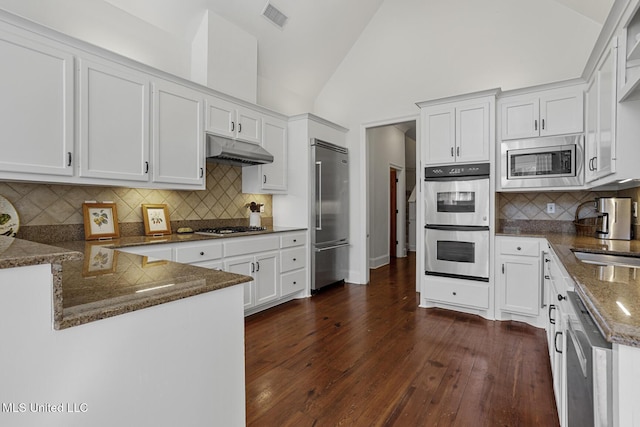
{"type": "Point", "coordinates": [452, 171]}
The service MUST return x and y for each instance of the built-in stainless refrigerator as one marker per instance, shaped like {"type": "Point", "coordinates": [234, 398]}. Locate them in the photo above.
{"type": "Point", "coordinates": [329, 214]}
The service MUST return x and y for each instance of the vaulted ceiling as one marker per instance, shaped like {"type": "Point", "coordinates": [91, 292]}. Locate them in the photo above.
{"type": "Point", "coordinates": [318, 35]}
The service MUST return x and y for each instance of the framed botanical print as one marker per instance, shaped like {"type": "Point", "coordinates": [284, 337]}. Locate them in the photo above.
{"type": "Point", "coordinates": [156, 220]}
{"type": "Point", "coordinates": [100, 221]}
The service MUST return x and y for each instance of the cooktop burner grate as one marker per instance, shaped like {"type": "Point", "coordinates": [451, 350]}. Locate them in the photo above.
{"type": "Point", "coordinates": [220, 231]}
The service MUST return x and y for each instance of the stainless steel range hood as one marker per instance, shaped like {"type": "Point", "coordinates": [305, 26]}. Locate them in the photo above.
{"type": "Point", "coordinates": [237, 153]}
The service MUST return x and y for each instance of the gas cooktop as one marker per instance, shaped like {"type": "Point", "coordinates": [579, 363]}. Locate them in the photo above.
{"type": "Point", "coordinates": [223, 231]}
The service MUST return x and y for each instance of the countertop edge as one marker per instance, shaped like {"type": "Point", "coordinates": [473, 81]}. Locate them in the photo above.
{"type": "Point", "coordinates": [614, 332]}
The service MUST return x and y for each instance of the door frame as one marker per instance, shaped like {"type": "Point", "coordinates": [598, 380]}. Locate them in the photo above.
{"type": "Point", "coordinates": [363, 187]}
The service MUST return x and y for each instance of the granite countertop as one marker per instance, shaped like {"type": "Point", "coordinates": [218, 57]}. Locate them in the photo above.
{"type": "Point", "coordinates": [602, 287]}
{"type": "Point", "coordinates": [19, 253]}
{"type": "Point", "coordinates": [93, 280]}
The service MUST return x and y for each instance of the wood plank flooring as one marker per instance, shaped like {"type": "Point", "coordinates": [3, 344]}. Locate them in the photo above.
{"type": "Point", "coordinates": [368, 356]}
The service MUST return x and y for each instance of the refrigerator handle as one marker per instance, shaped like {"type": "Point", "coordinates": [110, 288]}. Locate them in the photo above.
{"type": "Point", "coordinates": [319, 195]}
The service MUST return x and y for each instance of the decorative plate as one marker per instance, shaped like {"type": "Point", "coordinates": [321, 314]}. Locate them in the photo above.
{"type": "Point", "coordinates": [9, 220]}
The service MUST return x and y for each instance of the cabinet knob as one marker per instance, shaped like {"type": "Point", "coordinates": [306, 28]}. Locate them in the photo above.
{"type": "Point", "coordinates": [295, 283]}
{"type": "Point", "coordinates": [295, 259]}
{"type": "Point", "coordinates": [560, 297]}
{"type": "Point", "coordinates": [201, 253]}
{"type": "Point", "coordinates": [294, 240]}
{"type": "Point", "coordinates": [519, 248]}
{"type": "Point", "coordinates": [455, 293]}
{"type": "Point", "coordinates": [547, 260]}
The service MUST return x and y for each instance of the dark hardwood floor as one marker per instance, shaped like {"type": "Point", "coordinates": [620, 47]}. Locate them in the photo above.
{"type": "Point", "coordinates": [368, 356]}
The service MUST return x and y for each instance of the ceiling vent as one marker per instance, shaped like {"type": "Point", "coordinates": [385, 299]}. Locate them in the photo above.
{"type": "Point", "coordinates": [274, 15]}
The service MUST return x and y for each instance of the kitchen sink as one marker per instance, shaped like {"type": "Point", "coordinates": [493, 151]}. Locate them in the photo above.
{"type": "Point", "coordinates": [607, 259]}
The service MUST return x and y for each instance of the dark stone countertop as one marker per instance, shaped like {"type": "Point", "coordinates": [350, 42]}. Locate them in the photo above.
{"type": "Point", "coordinates": [602, 288]}
{"type": "Point", "coordinates": [93, 280]}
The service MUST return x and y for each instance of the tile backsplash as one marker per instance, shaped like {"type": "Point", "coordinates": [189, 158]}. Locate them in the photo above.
{"type": "Point", "coordinates": [533, 206]}
{"type": "Point", "coordinates": [57, 204]}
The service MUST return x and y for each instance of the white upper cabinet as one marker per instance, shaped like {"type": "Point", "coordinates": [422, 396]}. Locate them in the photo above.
{"type": "Point", "coordinates": [36, 105]}
{"type": "Point", "coordinates": [459, 131]}
{"type": "Point", "coordinates": [114, 121]}
{"type": "Point", "coordinates": [601, 106]}
{"type": "Point", "coordinates": [270, 177]}
{"type": "Point", "coordinates": [232, 120]}
{"type": "Point", "coordinates": [178, 134]}
{"type": "Point", "coordinates": [472, 132]}
{"type": "Point", "coordinates": [552, 112]}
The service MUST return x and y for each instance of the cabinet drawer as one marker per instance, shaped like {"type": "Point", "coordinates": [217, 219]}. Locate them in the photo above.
{"type": "Point", "coordinates": [466, 294]}
{"type": "Point", "coordinates": [198, 253]}
{"type": "Point", "coordinates": [291, 259]}
{"type": "Point", "coordinates": [290, 240]}
{"type": "Point", "coordinates": [241, 246]}
{"type": "Point", "coordinates": [293, 282]}
{"type": "Point", "coordinates": [519, 247]}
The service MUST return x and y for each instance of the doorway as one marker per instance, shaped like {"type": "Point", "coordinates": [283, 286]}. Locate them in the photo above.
{"type": "Point", "coordinates": [390, 169]}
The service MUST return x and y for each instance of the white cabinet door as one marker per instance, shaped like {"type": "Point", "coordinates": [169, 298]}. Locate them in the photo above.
{"type": "Point", "coordinates": [472, 132]}
{"type": "Point", "coordinates": [520, 118]}
{"type": "Point", "coordinates": [178, 135]}
{"type": "Point", "coordinates": [591, 129]}
{"type": "Point", "coordinates": [267, 274]}
{"type": "Point", "coordinates": [271, 177]}
{"type": "Point", "coordinates": [546, 113]}
{"type": "Point", "coordinates": [439, 131]}
{"type": "Point", "coordinates": [220, 117]}
{"type": "Point", "coordinates": [232, 120]}
{"type": "Point", "coordinates": [249, 125]}
{"type": "Point", "coordinates": [36, 107]}
{"type": "Point", "coordinates": [114, 122]}
{"type": "Point", "coordinates": [274, 140]}
{"type": "Point", "coordinates": [607, 104]}
{"type": "Point", "coordinates": [246, 266]}
{"type": "Point", "coordinates": [561, 113]}
{"type": "Point", "coordinates": [520, 285]}
{"type": "Point", "coordinates": [600, 114]}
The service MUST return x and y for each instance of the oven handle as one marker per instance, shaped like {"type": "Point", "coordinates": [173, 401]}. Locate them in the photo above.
{"type": "Point", "coordinates": [456, 178]}
{"type": "Point", "coordinates": [457, 227]}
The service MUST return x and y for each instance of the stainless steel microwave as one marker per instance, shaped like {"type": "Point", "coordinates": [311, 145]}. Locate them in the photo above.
{"type": "Point", "coordinates": [543, 162]}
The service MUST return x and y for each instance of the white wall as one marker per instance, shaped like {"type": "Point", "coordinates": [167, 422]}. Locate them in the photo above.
{"type": "Point", "coordinates": [104, 25]}
{"type": "Point", "coordinates": [415, 50]}
{"type": "Point", "coordinates": [386, 150]}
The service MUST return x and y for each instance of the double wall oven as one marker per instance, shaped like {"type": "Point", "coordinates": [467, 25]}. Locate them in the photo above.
{"type": "Point", "coordinates": [457, 221]}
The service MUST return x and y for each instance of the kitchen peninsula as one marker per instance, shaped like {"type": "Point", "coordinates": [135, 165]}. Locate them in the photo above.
{"type": "Point", "coordinates": [168, 348]}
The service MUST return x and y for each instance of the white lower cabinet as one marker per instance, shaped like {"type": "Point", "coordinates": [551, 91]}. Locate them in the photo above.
{"type": "Point", "coordinates": [519, 284]}
{"type": "Point", "coordinates": [265, 272]}
{"type": "Point", "coordinates": [277, 262]}
{"type": "Point", "coordinates": [293, 263]}
{"type": "Point", "coordinates": [557, 312]}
